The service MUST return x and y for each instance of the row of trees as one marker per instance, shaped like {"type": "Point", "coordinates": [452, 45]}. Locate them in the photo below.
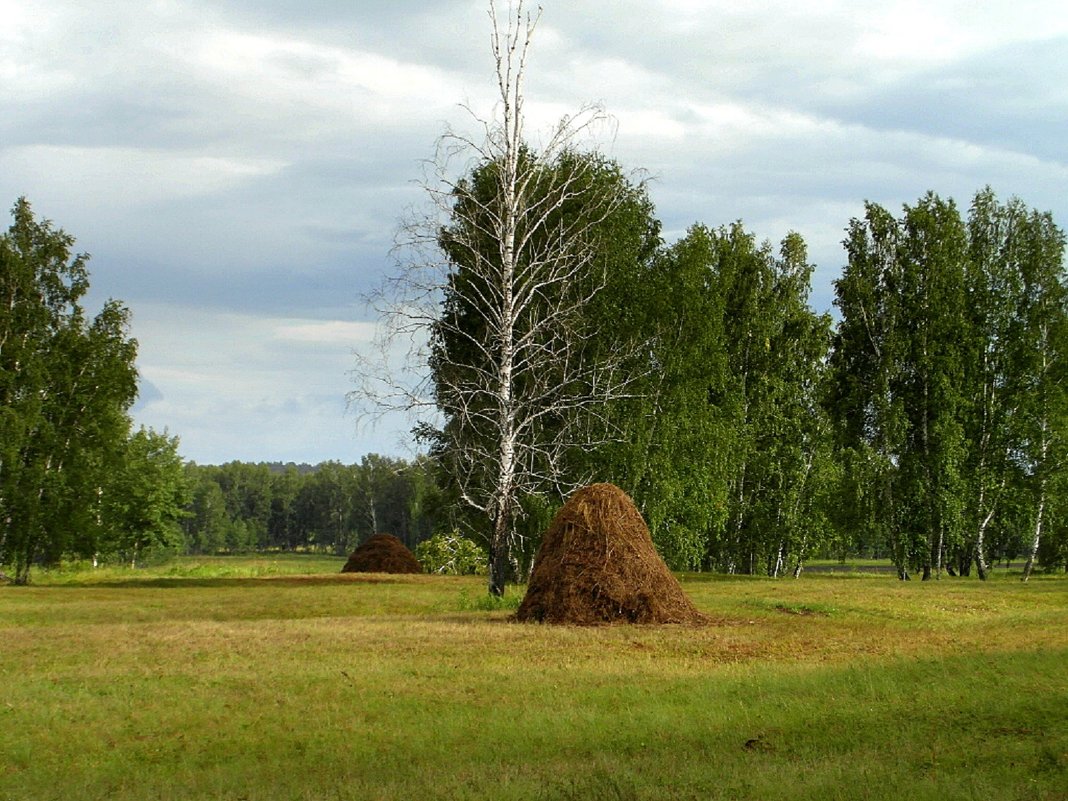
{"type": "Point", "coordinates": [948, 381]}
{"type": "Point", "coordinates": [567, 343]}
{"type": "Point", "coordinates": [74, 476]}
{"type": "Point", "coordinates": [240, 507]}
{"type": "Point", "coordinates": [928, 425]}
{"type": "Point", "coordinates": [76, 479]}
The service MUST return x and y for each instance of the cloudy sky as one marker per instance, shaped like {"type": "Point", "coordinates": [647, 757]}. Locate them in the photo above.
{"type": "Point", "coordinates": [238, 169]}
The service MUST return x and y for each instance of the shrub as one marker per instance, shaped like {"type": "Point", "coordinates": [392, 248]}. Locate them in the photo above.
{"type": "Point", "coordinates": [451, 554]}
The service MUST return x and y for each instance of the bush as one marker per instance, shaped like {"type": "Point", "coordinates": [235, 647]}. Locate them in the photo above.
{"type": "Point", "coordinates": [451, 554]}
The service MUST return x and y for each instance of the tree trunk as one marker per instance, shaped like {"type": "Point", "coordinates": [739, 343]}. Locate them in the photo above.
{"type": "Point", "coordinates": [936, 552]}
{"type": "Point", "coordinates": [1041, 462]}
{"type": "Point", "coordinates": [23, 559]}
{"type": "Point", "coordinates": [22, 575]}
{"type": "Point", "coordinates": [980, 557]}
{"type": "Point", "coordinates": [499, 567]}
{"type": "Point", "coordinates": [1036, 539]}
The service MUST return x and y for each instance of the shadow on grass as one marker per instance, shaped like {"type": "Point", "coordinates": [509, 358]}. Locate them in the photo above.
{"type": "Point", "coordinates": [194, 582]}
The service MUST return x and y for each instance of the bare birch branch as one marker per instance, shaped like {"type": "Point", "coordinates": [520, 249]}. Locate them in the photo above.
{"type": "Point", "coordinates": [481, 335]}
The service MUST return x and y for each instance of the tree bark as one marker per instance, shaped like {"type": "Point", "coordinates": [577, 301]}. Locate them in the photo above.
{"type": "Point", "coordinates": [499, 567]}
{"type": "Point", "coordinates": [1036, 539]}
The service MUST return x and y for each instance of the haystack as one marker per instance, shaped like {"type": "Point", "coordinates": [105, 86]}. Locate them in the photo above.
{"type": "Point", "coordinates": [597, 564]}
{"type": "Point", "coordinates": [382, 553]}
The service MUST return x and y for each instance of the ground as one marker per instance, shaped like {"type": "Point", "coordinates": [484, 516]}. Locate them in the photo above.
{"type": "Point", "coordinates": [281, 679]}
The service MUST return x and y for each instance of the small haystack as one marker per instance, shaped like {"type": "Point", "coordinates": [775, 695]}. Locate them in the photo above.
{"type": "Point", "coordinates": [382, 553]}
{"type": "Point", "coordinates": [597, 564]}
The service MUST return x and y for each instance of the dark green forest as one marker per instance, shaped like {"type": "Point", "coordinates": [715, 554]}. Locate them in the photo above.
{"type": "Point", "coordinates": [240, 507]}
{"type": "Point", "coordinates": [925, 422]}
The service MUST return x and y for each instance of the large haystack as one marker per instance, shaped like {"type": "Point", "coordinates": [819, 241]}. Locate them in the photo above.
{"type": "Point", "coordinates": [597, 564]}
{"type": "Point", "coordinates": [382, 553]}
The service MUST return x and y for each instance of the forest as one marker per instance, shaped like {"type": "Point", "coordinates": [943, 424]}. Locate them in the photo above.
{"type": "Point", "coordinates": [555, 338]}
{"type": "Point", "coordinates": [925, 424]}
{"type": "Point", "coordinates": [924, 427]}
{"type": "Point", "coordinates": [241, 507]}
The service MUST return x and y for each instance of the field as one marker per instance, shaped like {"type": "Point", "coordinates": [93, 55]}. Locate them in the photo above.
{"type": "Point", "coordinates": [280, 679]}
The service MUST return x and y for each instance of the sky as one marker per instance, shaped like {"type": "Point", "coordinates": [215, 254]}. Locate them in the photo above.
{"type": "Point", "coordinates": [238, 170]}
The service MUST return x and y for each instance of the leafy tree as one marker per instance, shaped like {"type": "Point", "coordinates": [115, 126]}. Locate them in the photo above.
{"type": "Point", "coordinates": [899, 369]}
{"type": "Point", "coordinates": [333, 488]}
{"type": "Point", "coordinates": [948, 378]}
{"type": "Point", "coordinates": [775, 349]}
{"type": "Point", "coordinates": [498, 288]}
{"type": "Point", "coordinates": [283, 528]}
{"type": "Point", "coordinates": [247, 491]}
{"type": "Point", "coordinates": [725, 438]}
{"type": "Point", "coordinates": [671, 456]}
{"type": "Point", "coordinates": [206, 522]}
{"type": "Point", "coordinates": [995, 395]}
{"type": "Point", "coordinates": [1042, 359]}
{"type": "Point", "coordinates": [144, 499]}
{"type": "Point", "coordinates": [66, 383]}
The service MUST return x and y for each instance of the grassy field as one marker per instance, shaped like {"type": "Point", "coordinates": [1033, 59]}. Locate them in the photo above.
{"type": "Point", "coordinates": [280, 679]}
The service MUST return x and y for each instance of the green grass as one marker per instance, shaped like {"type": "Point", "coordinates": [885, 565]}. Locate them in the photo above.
{"type": "Point", "coordinates": [198, 681]}
{"type": "Point", "coordinates": [208, 567]}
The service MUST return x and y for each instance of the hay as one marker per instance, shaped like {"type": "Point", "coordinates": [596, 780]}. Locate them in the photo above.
{"type": "Point", "coordinates": [382, 553]}
{"type": "Point", "coordinates": [597, 564]}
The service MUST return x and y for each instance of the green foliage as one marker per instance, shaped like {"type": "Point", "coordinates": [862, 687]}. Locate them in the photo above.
{"type": "Point", "coordinates": [66, 383]}
{"type": "Point", "coordinates": [144, 498]}
{"type": "Point", "coordinates": [723, 441]}
{"type": "Point", "coordinates": [946, 380]}
{"type": "Point", "coordinates": [240, 507]}
{"type": "Point", "coordinates": [451, 554]}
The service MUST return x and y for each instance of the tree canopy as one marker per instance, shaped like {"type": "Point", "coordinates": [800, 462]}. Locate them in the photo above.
{"type": "Point", "coordinates": [72, 478]}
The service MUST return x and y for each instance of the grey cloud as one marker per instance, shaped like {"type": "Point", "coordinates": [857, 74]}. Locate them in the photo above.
{"type": "Point", "coordinates": [1011, 98]}
{"type": "Point", "coordinates": [147, 393]}
{"type": "Point", "coordinates": [220, 195]}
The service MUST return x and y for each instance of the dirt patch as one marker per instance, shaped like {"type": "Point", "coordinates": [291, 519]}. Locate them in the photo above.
{"type": "Point", "coordinates": [382, 553]}
{"type": "Point", "coordinates": [597, 564]}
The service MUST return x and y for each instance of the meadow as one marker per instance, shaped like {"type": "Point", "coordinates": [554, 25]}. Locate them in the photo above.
{"type": "Point", "coordinates": [278, 678]}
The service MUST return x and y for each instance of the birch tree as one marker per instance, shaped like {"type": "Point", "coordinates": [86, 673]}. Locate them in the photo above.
{"type": "Point", "coordinates": [66, 383]}
{"type": "Point", "coordinates": [898, 370]}
{"type": "Point", "coordinates": [1042, 357]}
{"type": "Point", "coordinates": [490, 299]}
{"type": "Point", "coordinates": [949, 378]}
{"type": "Point", "coordinates": [775, 349]}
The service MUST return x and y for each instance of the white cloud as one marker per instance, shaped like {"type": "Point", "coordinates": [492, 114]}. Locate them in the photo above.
{"type": "Point", "coordinates": [330, 332]}
{"type": "Point", "coordinates": [241, 386]}
{"type": "Point", "coordinates": [913, 33]}
{"type": "Point", "coordinates": [124, 176]}
{"type": "Point", "coordinates": [277, 72]}
{"type": "Point", "coordinates": [238, 169]}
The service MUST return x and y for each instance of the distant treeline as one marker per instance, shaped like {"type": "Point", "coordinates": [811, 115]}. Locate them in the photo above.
{"type": "Point", "coordinates": [239, 507]}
